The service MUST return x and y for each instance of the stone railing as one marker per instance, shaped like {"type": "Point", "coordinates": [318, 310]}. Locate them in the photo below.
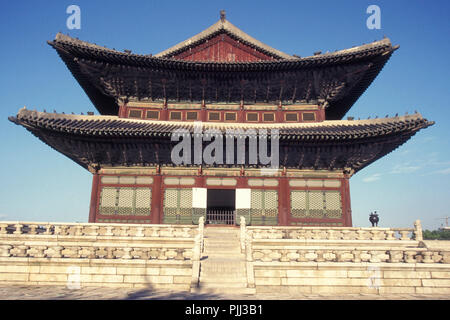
{"type": "Point", "coordinates": [356, 255]}
{"type": "Point", "coordinates": [336, 244]}
{"type": "Point", "coordinates": [96, 229]}
{"type": "Point", "coordinates": [166, 247]}
{"type": "Point", "coordinates": [99, 241]}
{"type": "Point", "coordinates": [341, 235]}
{"type": "Point", "coordinates": [343, 260]}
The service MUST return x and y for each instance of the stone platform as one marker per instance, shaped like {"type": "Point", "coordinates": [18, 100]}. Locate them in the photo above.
{"type": "Point", "coordinates": [199, 262]}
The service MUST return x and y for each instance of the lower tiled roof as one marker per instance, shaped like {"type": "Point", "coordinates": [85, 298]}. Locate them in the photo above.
{"type": "Point", "coordinates": [113, 126]}
{"type": "Point", "coordinates": [108, 141]}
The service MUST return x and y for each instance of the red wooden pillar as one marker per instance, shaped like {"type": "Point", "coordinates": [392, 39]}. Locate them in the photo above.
{"type": "Point", "coordinates": [156, 214]}
{"type": "Point", "coordinates": [94, 197]}
{"type": "Point", "coordinates": [203, 115]}
{"type": "Point", "coordinates": [164, 115]}
{"type": "Point", "coordinates": [346, 207]}
{"type": "Point", "coordinates": [283, 202]}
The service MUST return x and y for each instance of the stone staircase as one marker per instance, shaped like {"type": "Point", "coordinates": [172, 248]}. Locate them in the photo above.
{"type": "Point", "coordinates": [222, 266]}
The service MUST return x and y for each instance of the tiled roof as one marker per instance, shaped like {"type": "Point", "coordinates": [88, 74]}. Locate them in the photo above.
{"type": "Point", "coordinates": [113, 126]}
{"type": "Point", "coordinates": [99, 141]}
{"type": "Point", "coordinates": [337, 79]}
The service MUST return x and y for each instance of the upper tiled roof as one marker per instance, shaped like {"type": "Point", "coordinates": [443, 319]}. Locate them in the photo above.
{"type": "Point", "coordinates": [335, 79]}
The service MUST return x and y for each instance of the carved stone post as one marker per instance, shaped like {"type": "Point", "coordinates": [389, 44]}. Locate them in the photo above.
{"type": "Point", "coordinates": [4, 250]}
{"type": "Point", "coordinates": [109, 231]}
{"type": "Point", "coordinates": [243, 233]}
{"type": "Point", "coordinates": [427, 257]}
{"type": "Point", "coordinates": [196, 260]}
{"type": "Point", "coordinates": [418, 230]}
{"type": "Point", "coordinates": [390, 234]}
{"type": "Point", "coordinates": [18, 230]}
{"type": "Point", "coordinates": [3, 227]}
{"type": "Point", "coordinates": [139, 232]}
{"type": "Point", "coordinates": [410, 256]}
{"type": "Point", "coordinates": [33, 228]}
{"type": "Point", "coordinates": [201, 229]}
{"type": "Point", "coordinates": [404, 234]}
{"type": "Point", "coordinates": [249, 258]}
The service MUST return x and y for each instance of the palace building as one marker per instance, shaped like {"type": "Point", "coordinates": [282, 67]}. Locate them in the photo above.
{"type": "Point", "coordinates": [221, 80]}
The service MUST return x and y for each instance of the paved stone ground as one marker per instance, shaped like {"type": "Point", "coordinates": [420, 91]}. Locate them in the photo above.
{"type": "Point", "coordinates": [94, 293]}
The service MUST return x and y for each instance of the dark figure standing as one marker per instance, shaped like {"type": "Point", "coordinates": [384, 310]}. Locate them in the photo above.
{"type": "Point", "coordinates": [374, 219]}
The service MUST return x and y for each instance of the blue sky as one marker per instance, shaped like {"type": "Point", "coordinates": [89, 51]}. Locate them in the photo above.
{"type": "Point", "coordinates": [413, 182]}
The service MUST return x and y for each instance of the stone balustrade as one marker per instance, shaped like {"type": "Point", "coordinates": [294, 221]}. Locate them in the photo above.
{"type": "Point", "coordinates": [328, 235]}
{"type": "Point", "coordinates": [344, 260]}
{"type": "Point", "coordinates": [356, 255]}
{"type": "Point", "coordinates": [96, 229]}
{"type": "Point", "coordinates": [165, 256]}
{"type": "Point", "coordinates": [338, 244]}
{"type": "Point", "coordinates": [93, 251]}
{"type": "Point", "coordinates": [334, 233]}
{"type": "Point", "coordinates": [99, 241]}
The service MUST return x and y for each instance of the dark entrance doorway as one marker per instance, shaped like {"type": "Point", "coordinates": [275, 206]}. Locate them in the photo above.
{"type": "Point", "coordinates": [221, 206]}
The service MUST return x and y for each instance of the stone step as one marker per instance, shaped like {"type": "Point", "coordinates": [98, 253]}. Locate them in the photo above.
{"type": "Point", "coordinates": [226, 253]}
{"type": "Point", "coordinates": [221, 242]}
{"type": "Point", "coordinates": [221, 279]}
{"type": "Point", "coordinates": [223, 261]}
{"type": "Point", "coordinates": [224, 290]}
{"type": "Point", "coordinates": [225, 269]}
{"type": "Point", "coordinates": [223, 266]}
{"type": "Point", "coordinates": [220, 284]}
{"type": "Point", "coordinates": [222, 245]}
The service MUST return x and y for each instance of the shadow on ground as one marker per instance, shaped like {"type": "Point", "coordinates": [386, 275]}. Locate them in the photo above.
{"type": "Point", "coordinates": [178, 295]}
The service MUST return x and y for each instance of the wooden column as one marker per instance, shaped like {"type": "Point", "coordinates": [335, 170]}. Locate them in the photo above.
{"type": "Point", "coordinates": [346, 205]}
{"type": "Point", "coordinates": [156, 214]}
{"type": "Point", "coordinates": [94, 197]}
{"type": "Point", "coordinates": [283, 202]}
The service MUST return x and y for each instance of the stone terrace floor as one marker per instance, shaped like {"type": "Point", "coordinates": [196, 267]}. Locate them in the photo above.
{"type": "Point", "coordinates": [93, 293]}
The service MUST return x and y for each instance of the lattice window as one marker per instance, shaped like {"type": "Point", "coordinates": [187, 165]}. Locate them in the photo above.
{"type": "Point", "coordinates": [178, 205]}
{"type": "Point", "coordinates": [143, 201]}
{"type": "Point", "coordinates": [299, 207]}
{"type": "Point", "coordinates": [185, 202]}
{"type": "Point", "coordinates": [256, 201]}
{"type": "Point", "coordinates": [108, 201]}
{"type": "Point", "coordinates": [125, 201]}
{"type": "Point", "coordinates": [125, 204]}
{"type": "Point", "coordinates": [271, 203]}
{"type": "Point", "coordinates": [316, 204]}
{"type": "Point", "coordinates": [264, 206]}
{"type": "Point", "coordinates": [333, 204]}
{"type": "Point", "coordinates": [170, 202]}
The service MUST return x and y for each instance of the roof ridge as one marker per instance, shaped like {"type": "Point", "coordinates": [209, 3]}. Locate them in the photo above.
{"type": "Point", "coordinates": [227, 26]}
{"type": "Point", "coordinates": [343, 52]}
